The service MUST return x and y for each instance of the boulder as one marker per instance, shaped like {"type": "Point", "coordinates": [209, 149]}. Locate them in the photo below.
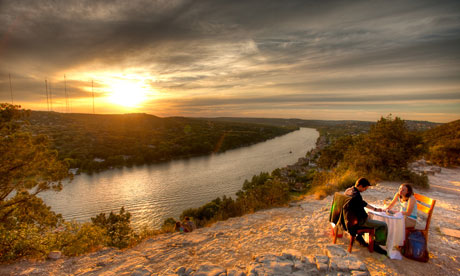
{"type": "Point", "coordinates": [55, 255]}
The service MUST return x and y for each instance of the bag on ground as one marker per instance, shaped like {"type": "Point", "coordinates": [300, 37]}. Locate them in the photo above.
{"type": "Point", "coordinates": [415, 247]}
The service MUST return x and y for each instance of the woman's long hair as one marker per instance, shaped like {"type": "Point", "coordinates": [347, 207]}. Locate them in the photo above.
{"type": "Point", "coordinates": [410, 191]}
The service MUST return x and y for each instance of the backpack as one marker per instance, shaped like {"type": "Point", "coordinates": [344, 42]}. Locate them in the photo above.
{"type": "Point", "coordinates": [415, 247]}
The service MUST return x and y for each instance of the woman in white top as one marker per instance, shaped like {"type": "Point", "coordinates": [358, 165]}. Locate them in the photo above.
{"type": "Point", "coordinates": [407, 204]}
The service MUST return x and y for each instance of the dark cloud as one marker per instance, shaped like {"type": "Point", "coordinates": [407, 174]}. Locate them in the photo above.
{"type": "Point", "coordinates": [320, 98]}
{"type": "Point", "coordinates": [237, 47]}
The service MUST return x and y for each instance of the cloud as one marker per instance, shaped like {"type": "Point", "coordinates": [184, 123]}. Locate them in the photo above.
{"type": "Point", "coordinates": [247, 50]}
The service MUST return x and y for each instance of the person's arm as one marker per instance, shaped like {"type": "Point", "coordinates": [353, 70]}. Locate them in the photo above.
{"type": "Point", "coordinates": [410, 206]}
{"type": "Point", "coordinates": [392, 203]}
{"type": "Point", "coordinates": [373, 208]}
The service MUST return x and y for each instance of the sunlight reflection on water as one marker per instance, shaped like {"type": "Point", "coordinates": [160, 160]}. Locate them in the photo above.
{"type": "Point", "coordinates": [153, 193]}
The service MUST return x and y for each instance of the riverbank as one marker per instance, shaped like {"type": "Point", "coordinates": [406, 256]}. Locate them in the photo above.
{"type": "Point", "coordinates": [234, 244]}
{"type": "Point", "coordinates": [157, 192]}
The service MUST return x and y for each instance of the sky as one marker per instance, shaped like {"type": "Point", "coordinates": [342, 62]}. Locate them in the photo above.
{"type": "Point", "coordinates": [329, 60]}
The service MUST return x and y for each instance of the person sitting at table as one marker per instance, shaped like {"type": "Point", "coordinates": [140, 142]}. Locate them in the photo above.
{"type": "Point", "coordinates": [407, 204]}
{"type": "Point", "coordinates": [381, 228]}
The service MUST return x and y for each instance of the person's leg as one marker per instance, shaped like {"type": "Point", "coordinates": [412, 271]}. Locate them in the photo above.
{"type": "Point", "coordinates": [381, 230]}
{"type": "Point", "coordinates": [410, 222]}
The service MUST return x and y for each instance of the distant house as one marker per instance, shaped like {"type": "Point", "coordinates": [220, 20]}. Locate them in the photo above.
{"type": "Point", "coordinates": [98, 160]}
{"type": "Point", "coordinates": [73, 170]}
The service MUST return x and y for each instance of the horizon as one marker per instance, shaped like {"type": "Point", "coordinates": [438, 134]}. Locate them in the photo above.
{"type": "Point", "coordinates": [311, 61]}
{"type": "Point", "coordinates": [236, 117]}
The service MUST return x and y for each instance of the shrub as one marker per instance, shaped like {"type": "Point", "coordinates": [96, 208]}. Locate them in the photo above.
{"type": "Point", "coordinates": [261, 192]}
{"type": "Point", "coordinates": [117, 227]}
{"type": "Point", "coordinates": [168, 225]}
{"type": "Point", "coordinates": [23, 240]}
{"type": "Point", "coordinates": [77, 238]}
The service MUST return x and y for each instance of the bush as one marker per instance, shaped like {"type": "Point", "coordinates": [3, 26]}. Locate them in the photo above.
{"type": "Point", "coordinates": [23, 240]}
{"type": "Point", "coordinates": [326, 183]}
{"type": "Point", "coordinates": [168, 225]}
{"type": "Point", "coordinates": [117, 227]}
{"type": "Point", "coordinates": [77, 238]}
{"type": "Point", "coordinates": [261, 192]}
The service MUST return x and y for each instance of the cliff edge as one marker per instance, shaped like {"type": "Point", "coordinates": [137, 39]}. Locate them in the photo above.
{"type": "Point", "coordinates": [293, 240]}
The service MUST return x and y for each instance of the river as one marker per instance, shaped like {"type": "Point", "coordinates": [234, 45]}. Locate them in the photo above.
{"type": "Point", "coordinates": [152, 193]}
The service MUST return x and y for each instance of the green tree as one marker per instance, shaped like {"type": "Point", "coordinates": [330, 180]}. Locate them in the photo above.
{"type": "Point", "coordinates": [333, 154]}
{"type": "Point", "coordinates": [27, 166]}
{"type": "Point", "coordinates": [118, 227]}
{"type": "Point", "coordinates": [387, 149]}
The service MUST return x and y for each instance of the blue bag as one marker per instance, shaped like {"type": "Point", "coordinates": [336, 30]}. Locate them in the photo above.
{"type": "Point", "coordinates": [415, 247]}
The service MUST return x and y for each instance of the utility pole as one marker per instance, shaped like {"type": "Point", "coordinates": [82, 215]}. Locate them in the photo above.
{"type": "Point", "coordinates": [51, 98]}
{"type": "Point", "coordinates": [47, 97]}
{"type": "Point", "coordinates": [92, 89]}
{"type": "Point", "coordinates": [11, 90]}
{"type": "Point", "coordinates": [66, 97]}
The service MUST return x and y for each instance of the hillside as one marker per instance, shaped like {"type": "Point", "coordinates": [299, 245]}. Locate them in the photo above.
{"type": "Point", "coordinates": [444, 144]}
{"type": "Point", "coordinates": [94, 142]}
{"type": "Point", "coordinates": [329, 128]}
{"type": "Point", "coordinates": [292, 240]}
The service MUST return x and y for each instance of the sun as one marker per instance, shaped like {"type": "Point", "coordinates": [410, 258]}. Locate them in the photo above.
{"type": "Point", "coordinates": [127, 93]}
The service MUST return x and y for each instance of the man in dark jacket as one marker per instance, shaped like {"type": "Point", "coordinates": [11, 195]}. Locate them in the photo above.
{"type": "Point", "coordinates": [357, 207]}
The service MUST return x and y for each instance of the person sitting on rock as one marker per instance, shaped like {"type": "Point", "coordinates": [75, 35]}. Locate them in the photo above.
{"type": "Point", "coordinates": [189, 225]}
{"type": "Point", "coordinates": [407, 204]}
{"type": "Point", "coordinates": [380, 227]}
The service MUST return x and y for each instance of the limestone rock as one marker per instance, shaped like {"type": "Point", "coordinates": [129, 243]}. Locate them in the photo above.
{"type": "Point", "coordinates": [359, 273]}
{"type": "Point", "coordinates": [335, 251]}
{"type": "Point", "coordinates": [181, 271]}
{"type": "Point", "coordinates": [235, 272]}
{"type": "Point", "coordinates": [292, 254]}
{"type": "Point", "coordinates": [210, 270]}
{"type": "Point", "coordinates": [55, 255]}
{"type": "Point", "coordinates": [142, 272]}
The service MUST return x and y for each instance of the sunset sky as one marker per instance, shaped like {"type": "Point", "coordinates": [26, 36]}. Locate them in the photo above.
{"type": "Point", "coordinates": [331, 60]}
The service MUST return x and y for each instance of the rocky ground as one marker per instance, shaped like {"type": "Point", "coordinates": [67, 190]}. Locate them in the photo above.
{"type": "Point", "coordinates": [294, 240]}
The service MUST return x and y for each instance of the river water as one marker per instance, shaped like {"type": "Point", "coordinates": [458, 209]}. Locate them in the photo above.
{"type": "Point", "coordinates": [152, 193]}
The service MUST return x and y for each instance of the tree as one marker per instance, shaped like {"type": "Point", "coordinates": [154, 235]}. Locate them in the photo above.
{"type": "Point", "coordinates": [118, 227]}
{"type": "Point", "coordinates": [27, 166]}
{"type": "Point", "coordinates": [333, 153]}
{"type": "Point", "coordinates": [387, 148]}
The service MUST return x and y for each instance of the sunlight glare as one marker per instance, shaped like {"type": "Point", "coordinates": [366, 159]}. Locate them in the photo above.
{"type": "Point", "coordinates": [127, 93]}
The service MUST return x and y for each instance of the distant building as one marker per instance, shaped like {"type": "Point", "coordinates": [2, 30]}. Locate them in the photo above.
{"type": "Point", "coordinates": [73, 170]}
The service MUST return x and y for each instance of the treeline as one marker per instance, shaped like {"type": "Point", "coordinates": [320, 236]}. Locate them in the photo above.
{"type": "Point", "coordinates": [97, 142]}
